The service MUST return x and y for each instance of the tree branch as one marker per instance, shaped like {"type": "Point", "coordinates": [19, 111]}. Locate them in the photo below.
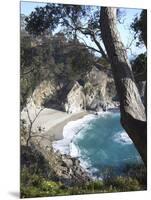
{"type": "Point", "coordinates": [31, 124]}
{"type": "Point", "coordinates": [88, 31]}
{"type": "Point", "coordinates": [92, 48]}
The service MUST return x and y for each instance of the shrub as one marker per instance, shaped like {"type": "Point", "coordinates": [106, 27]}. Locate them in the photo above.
{"type": "Point", "coordinates": [123, 184]}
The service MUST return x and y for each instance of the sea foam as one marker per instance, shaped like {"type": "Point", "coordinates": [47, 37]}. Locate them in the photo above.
{"type": "Point", "coordinates": [69, 132]}
{"type": "Point", "coordinates": [76, 131]}
{"type": "Point", "coordinates": [122, 138]}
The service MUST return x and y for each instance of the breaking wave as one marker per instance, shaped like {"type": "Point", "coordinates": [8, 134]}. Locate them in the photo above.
{"type": "Point", "coordinates": [98, 141]}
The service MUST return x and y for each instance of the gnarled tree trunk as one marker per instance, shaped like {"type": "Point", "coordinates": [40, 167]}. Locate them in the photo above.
{"type": "Point", "coordinates": [133, 117]}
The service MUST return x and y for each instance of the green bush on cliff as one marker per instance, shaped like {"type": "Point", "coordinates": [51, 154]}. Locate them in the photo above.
{"type": "Point", "coordinates": [54, 58]}
{"type": "Point", "coordinates": [38, 178]}
{"type": "Point", "coordinates": [123, 184]}
{"type": "Point", "coordinates": [35, 185]}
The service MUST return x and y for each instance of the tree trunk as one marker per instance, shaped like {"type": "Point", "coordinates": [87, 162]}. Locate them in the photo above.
{"type": "Point", "coordinates": [133, 117]}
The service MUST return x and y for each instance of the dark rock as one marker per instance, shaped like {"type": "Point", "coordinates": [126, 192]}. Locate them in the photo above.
{"type": "Point", "coordinates": [67, 162]}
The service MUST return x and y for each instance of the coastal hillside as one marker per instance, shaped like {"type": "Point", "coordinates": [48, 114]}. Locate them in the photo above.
{"type": "Point", "coordinates": [82, 102]}
{"type": "Point", "coordinates": [93, 89]}
{"type": "Point", "coordinates": [49, 103]}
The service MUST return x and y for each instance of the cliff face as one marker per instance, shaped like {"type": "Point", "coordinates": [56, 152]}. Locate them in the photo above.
{"type": "Point", "coordinates": [76, 99]}
{"type": "Point", "coordinates": [95, 88]}
{"type": "Point", "coordinates": [96, 93]}
{"type": "Point", "coordinates": [45, 90]}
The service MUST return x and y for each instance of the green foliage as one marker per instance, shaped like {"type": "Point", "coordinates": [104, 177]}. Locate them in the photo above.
{"type": "Point", "coordinates": [140, 63]}
{"type": "Point", "coordinates": [35, 162]}
{"type": "Point", "coordinates": [122, 184]}
{"type": "Point", "coordinates": [71, 57]}
{"type": "Point", "coordinates": [52, 15]}
{"type": "Point", "coordinates": [34, 185]}
{"type": "Point", "coordinates": [140, 27]}
{"type": "Point", "coordinates": [36, 61]}
{"type": "Point", "coordinates": [137, 172]}
{"type": "Point", "coordinates": [54, 58]}
{"type": "Point", "coordinates": [26, 178]}
{"type": "Point", "coordinates": [70, 19]}
{"type": "Point", "coordinates": [95, 185]}
{"type": "Point", "coordinates": [139, 67]}
{"type": "Point", "coordinates": [62, 61]}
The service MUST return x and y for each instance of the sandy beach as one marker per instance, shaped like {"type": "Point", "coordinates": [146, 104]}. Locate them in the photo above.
{"type": "Point", "coordinates": [51, 121]}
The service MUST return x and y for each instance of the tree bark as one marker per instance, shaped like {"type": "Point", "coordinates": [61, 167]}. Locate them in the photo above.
{"type": "Point", "coordinates": [133, 117]}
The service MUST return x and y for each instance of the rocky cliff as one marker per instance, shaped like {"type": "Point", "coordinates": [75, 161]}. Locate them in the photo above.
{"type": "Point", "coordinates": [46, 90]}
{"type": "Point", "coordinates": [97, 92]}
{"type": "Point", "coordinates": [40, 155]}
{"type": "Point", "coordinates": [76, 99]}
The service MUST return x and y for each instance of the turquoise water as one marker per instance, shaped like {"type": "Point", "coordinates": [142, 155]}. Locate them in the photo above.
{"type": "Point", "coordinates": [103, 143]}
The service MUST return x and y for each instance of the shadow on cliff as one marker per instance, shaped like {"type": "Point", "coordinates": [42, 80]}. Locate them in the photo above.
{"type": "Point", "coordinates": [58, 101]}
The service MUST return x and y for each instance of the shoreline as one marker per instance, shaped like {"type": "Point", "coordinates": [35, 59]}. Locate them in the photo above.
{"type": "Point", "coordinates": [55, 121]}
{"type": "Point", "coordinates": [56, 131]}
{"type": "Point", "coordinates": [65, 145]}
{"type": "Point", "coordinates": [51, 122]}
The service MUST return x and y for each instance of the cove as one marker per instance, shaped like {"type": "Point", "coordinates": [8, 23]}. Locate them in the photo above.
{"type": "Point", "coordinates": [100, 143]}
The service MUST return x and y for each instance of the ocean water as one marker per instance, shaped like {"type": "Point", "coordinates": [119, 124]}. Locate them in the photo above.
{"type": "Point", "coordinates": [100, 142]}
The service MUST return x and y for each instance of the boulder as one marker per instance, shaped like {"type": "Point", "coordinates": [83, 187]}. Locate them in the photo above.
{"type": "Point", "coordinates": [67, 162]}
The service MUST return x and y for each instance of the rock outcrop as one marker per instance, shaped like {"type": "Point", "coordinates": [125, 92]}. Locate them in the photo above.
{"type": "Point", "coordinates": [97, 93]}
{"type": "Point", "coordinates": [53, 165]}
{"type": "Point", "coordinates": [99, 90]}
{"type": "Point", "coordinates": [46, 90]}
{"type": "Point", "coordinates": [75, 100]}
